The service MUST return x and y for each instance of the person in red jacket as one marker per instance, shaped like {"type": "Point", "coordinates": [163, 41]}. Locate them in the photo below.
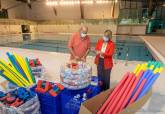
{"type": "Point", "coordinates": [104, 52]}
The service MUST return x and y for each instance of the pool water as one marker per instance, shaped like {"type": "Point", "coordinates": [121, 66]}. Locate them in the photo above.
{"type": "Point", "coordinates": [125, 49]}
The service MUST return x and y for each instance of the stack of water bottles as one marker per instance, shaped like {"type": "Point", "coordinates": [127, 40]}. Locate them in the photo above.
{"type": "Point", "coordinates": [38, 69]}
{"type": "Point", "coordinates": [76, 76]}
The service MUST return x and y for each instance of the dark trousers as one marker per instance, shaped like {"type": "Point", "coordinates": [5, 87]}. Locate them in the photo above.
{"type": "Point", "coordinates": [103, 74]}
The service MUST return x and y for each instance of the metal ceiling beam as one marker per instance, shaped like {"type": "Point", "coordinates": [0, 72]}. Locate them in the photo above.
{"type": "Point", "coordinates": [55, 10]}
{"type": "Point", "coordinates": [81, 10]}
{"type": "Point", "coordinates": [150, 6]}
{"type": "Point", "coordinates": [0, 4]}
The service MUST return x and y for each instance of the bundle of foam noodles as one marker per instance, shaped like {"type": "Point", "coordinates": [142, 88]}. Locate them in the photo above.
{"type": "Point", "coordinates": [76, 76]}
{"type": "Point", "coordinates": [132, 87]}
{"type": "Point", "coordinates": [17, 70]}
{"type": "Point", "coordinates": [19, 101]}
{"type": "Point", "coordinates": [38, 69]}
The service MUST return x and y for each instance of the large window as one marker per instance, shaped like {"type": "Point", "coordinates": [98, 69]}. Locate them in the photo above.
{"type": "Point", "coordinates": [138, 11]}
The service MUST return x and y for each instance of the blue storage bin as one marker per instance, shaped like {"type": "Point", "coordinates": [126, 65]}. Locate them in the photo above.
{"type": "Point", "coordinates": [48, 103]}
{"type": "Point", "coordinates": [71, 106]}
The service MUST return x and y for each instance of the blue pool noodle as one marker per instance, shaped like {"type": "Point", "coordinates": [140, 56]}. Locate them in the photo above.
{"type": "Point", "coordinates": [148, 86]}
{"type": "Point", "coordinates": [145, 74]}
{"type": "Point", "coordinates": [149, 80]}
{"type": "Point", "coordinates": [13, 60]}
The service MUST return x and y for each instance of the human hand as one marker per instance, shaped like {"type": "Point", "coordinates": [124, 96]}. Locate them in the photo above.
{"type": "Point", "coordinates": [101, 53]}
{"type": "Point", "coordinates": [83, 59]}
{"type": "Point", "coordinates": [77, 58]}
{"type": "Point", "coordinates": [98, 52]}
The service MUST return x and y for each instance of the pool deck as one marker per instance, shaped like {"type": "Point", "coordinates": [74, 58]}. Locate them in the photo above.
{"type": "Point", "coordinates": [52, 62]}
{"type": "Point", "coordinates": [156, 44]}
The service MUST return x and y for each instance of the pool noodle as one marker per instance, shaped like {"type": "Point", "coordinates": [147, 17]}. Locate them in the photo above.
{"type": "Point", "coordinates": [142, 77]}
{"type": "Point", "coordinates": [117, 107]}
{"type": "Point", "coordinates": [7, 69]}
{"type": "Point", "coordinates": [131, 90]}
{"type": "Point", "coordinates": [11, 77]}
{"type": "Point", "coordinates": [147, 88]}
{"type": "Point", "coordinates": [138, 91]}
{"type": "Point", "coordinates": [136, 69]}
{"type": "Point", "coordinates": [15, 64]}
{"type": "Point", "coordinates": [112, 100]}
{"type": "Point", "coordinates": [111, 107]}
{"type": "Point", "coordinates": [113, 93]}
{"type": "Point", "coordinates": [1, 73]}
{"type": "Point", "coordinates": [23, 65]}
{"type": "Point", "coordinates": [23, 68]}
{"type": "Point", "coordinates": [11, 69]}
{"type": "Point", "coordinates": [29, 69]}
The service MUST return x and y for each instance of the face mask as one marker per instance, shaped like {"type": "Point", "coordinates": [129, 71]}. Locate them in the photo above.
{"type": "Point", "coordinates": [83, 35]}
{"type": "Point", "coordinates": [106, 39]}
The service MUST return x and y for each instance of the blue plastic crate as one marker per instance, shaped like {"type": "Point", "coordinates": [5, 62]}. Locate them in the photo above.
{"type": "Point", "coordinates": [69, 106]}
{"type": "Point", "coordinates": [48, 103]}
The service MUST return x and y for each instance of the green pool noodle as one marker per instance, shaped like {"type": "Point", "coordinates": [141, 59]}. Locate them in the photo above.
{"type": "Point", "coordinates": [29, 69]}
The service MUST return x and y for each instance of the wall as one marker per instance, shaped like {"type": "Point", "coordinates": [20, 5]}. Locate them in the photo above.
{"type": "Point", "coordinates": [17, 12]}
{"type": "Point", "coordinates": [11, 30]}
{"type": "Point", "coordinates": [131, 29]}
{"type": "Point", "coordinates": [93, 29]}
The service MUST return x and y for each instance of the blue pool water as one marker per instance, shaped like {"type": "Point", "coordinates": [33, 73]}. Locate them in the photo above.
{"type": "Point", "coordinates": [125, 49]}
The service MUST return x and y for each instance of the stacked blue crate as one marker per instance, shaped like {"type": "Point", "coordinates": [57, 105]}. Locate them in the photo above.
{"type": "Point", "coordinates": [48, 103]}
{"type": "Point", "coordinates": [70, 105]}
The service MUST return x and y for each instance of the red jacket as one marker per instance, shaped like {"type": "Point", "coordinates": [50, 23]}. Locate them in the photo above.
{"type": "Point", "coordinates": [108, 63]}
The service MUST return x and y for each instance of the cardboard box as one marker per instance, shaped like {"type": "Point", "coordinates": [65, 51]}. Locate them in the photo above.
{"type": "Point", "coordinates": [92, 105]}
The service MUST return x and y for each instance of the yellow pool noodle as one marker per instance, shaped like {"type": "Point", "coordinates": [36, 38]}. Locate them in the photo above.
{"type": "Point", "coordinates": [151, 67]}
{"type": "Point", "coordinates": [10, 73]}
{"type": "Point", "coordinates": [24, 67]}
{"type": "Point", "coordinates": [156, 70]}
{"type": "Point", "coordinates": [13, 78]}
{"type": "Point", "coordinates": [160, 69]}
{"type": "Point", "coordinates": [15, 71]}
{"type": "Point", "coordinates": [140, 68]}
{"type": "Point", "coordinates": [137, 67]}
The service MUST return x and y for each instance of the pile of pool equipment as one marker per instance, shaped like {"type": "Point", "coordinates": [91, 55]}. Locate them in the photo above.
{"type": "Point", "coordinates": [17, 70]}
{"type": "Point", "coordinates": [19, 101]}
{"type": "Point", "coordinates": [38, 69]}
{"type": "Point", "coordinates": [76, 86]}
{"type": "Point", "coordinates": [132, 87]}
{"type": "Point", "coordinates": [76, 76]}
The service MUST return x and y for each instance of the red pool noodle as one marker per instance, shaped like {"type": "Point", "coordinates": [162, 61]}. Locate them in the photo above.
{"type": "Point", "coordinates": [132, 89]}
{"type": "Point", "coordinates": [111, 107]}
{"type": "Point", "coordinates": [113, 93]}
{"type": "Point", "coordinates": [112, 100]}
{"type": "Point", "coordinates": [138, 91]}
{"type": "Point", "coordinates": [117, 107]}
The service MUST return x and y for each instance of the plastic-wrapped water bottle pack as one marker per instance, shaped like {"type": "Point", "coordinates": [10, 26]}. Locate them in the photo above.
{"type": "Point", "coordinates": [76, 76]}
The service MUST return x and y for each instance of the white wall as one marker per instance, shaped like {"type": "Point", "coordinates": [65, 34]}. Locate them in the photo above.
{"type": "Point", "coordinates": [131, 29]}
{"type": "Point", "coordinates": [18, 12]}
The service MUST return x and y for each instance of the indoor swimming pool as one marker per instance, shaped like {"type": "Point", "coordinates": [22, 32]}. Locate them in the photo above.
{"type": "Point", "coordinates": [126, 49]}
